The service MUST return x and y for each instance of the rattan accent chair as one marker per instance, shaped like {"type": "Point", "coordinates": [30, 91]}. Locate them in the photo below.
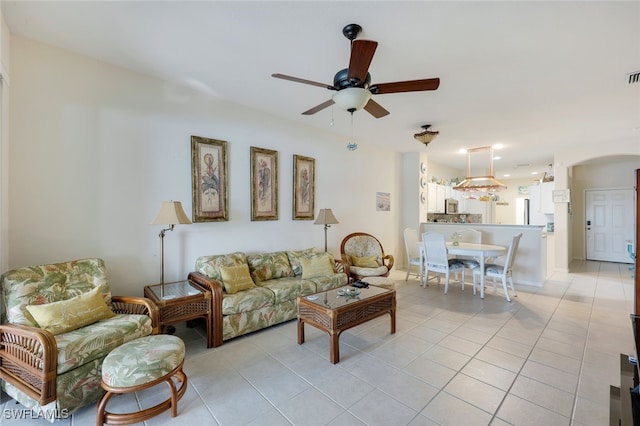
{"type": "Point", "coordinates": [55, 370]}
{"type": "Point", "coordinates": [364, 255]}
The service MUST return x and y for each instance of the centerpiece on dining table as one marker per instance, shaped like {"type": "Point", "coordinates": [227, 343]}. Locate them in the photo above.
{"type": "Point", "coordinates": [456, 237]}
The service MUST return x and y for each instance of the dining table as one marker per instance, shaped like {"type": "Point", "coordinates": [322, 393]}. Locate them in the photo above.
{"type": "Point", "coordinates": [478, 251]}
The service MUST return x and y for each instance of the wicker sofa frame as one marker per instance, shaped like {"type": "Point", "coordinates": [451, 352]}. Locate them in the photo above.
{"type": "Point", "coordinates": [218, 294]}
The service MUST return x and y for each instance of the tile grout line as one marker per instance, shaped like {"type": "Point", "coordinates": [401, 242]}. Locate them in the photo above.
{"type": "Point", "coordinates": [465, 364]}
{"type": "Point", "coordinates": [584, 350]}
{"type": "Point", "coordinates": [527, 358]}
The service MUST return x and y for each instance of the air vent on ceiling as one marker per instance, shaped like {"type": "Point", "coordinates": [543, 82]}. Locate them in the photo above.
{"type": "Point", "coordinates": [634, 77]}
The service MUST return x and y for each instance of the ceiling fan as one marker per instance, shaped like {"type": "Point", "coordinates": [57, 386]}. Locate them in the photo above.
{"type": "Point", "coordinates": [353, 85]}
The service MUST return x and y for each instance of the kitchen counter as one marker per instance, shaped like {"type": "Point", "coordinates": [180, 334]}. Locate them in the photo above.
{"type": "Point", "coordinates": [530, 266]}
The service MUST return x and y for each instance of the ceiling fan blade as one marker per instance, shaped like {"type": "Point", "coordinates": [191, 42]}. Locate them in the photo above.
{"type": "Point", "coordinates": [375, 109]}
{"type": "Point", "coordinates": [319, 107]}
{"type": "Point", "coordinates": [303, 81]}
{"type": "Point", "coordinates": [361, 55]}
{"type": "Point", "coordinates": [405, 86]}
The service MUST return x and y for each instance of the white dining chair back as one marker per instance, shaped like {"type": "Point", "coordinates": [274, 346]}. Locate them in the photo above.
{"type": "Point", "coordinates": [414, 259]}
{"type": "Point", "coordinates": [503, 272]}
{"type": "Point", "coordinates": [437, 260]}
{"type": "Point", "coordinates": [470, 236]}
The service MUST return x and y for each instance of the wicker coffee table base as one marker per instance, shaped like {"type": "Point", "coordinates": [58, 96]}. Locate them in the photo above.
{"type": "Point", "coordinates": [335, 321]}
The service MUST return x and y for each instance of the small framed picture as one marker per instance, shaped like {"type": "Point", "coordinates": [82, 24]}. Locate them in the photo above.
{"type": "Point", "coordinates": [303, 187]}
{"type": "Point", "coordinates": [383, 201]}
{"type": "Point", "coordinates": [264, 184]}
{"type": "Point", "coordinates": [209, 179]}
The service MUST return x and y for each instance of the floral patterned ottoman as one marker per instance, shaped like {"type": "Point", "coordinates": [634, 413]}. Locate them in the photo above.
{"type": "Point", "coordinates": [141, 364]}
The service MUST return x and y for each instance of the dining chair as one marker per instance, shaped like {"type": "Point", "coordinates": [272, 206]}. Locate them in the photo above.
{"type": "Point", "coordinates": [470, 236]}
{"type": "Point", "coordinates": [414, 257]}
{"type": "Point", "coordinates": [504, 272]}
{"type": "Point", "coordinates": [437, 260]}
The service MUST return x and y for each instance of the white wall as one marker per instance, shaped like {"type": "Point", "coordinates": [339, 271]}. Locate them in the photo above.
{"type": "Point", "coordinates": [442, 171]}
{"type": "Point", "coordinates": [95, 149]}
{"type": "Point", "coordinates": [4, 142]}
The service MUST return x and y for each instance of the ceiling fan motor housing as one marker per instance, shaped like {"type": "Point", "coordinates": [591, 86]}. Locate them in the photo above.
{"type": "Point", "coordinates": [340, 80]}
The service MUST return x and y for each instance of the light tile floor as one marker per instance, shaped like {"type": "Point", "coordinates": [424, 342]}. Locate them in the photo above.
{"type": "Point", "coordinates": [547, 358]}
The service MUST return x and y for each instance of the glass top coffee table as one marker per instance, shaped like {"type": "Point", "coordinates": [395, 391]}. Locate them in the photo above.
{"type": "Point", "coordinates": [333, 311]}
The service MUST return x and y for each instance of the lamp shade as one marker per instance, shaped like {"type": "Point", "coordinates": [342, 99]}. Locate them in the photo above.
{"type": "Point", "coordinates": [352, 98]}
{"type": "Point", "coordinates": [325, 217]}
{"type": "Point", "coordinates": [171, 213]}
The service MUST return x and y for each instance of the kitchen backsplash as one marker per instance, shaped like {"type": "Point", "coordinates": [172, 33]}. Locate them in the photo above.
{"type": "Point", "coordinates": [454, 218]}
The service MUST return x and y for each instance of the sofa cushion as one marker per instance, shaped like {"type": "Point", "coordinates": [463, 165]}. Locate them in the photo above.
{"type": "Point", "coordinates": [269, 266]}
{"type": "Point", "coordinates": [210, 265]}
{"type": "Point", "coordinates": [96, 340]}
{"type": "Point", "coordinates": [330, 281]}
{"type": "Point", "coordinates": [294, 259]}
{"type": "Point", "coordinates": [71, 314]}
{"type": "Point", "coordinates": [289, 288]}
{"type": "Point", "coordinates": [247, 300]}
{"type": "Point", "coordinates": [36, 285]}
{"type": "Point", "coordinates": [317, 266]}
{"type": "Point", "coordinates": [236, 278]}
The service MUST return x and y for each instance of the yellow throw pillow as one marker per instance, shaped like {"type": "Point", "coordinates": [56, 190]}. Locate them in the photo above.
{"type": "Point", "coordinates": [317, 266]}
{"type": "Point", "coordinates": [236, 278]}
{"type": "Point", "coordinates": [365, 262]}
{"type": "Point", "coordinates": [71, 314]}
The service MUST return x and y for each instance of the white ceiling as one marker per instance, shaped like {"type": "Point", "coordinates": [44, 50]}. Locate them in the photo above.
{"type": "Point", "coordinates": [529, 75]}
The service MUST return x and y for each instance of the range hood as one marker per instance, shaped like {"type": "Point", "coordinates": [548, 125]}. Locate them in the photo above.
{"type": "Point", "coordinates": [480, 177]}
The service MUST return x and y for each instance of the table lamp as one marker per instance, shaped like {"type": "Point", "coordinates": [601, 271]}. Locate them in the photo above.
{"type": "Point", "coordinates": [326, 218]}
{"type": "Point", "coordinates": [171, 213]}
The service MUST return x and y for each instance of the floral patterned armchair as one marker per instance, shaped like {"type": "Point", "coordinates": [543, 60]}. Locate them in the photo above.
{"type": "Point", "coordinates": [59, 321]}
{"type": "Point", "coordinates": [365, 256]}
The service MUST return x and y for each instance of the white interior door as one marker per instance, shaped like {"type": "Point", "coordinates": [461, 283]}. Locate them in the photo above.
{"type": "Point", "coordinates": [609, 224]}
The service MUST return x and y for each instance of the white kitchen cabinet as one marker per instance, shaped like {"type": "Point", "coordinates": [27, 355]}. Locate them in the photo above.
{"type": "Point", "coordinates": [435, 198]}
{"type": "Point", "coordinates": [460, 197]}
{"type": "Point", "coordinates": [546, 197]}
{"type": "Point", "coordinates": [432, 198]}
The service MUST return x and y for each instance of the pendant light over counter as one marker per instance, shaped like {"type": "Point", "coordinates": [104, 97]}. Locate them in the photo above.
{"type": "Point", "coordinates": [480, 174]}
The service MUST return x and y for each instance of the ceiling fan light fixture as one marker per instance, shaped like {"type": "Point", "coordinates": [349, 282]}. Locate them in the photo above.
{"type": "Point", "coordinates": [427, 136]}
{"type": "Point", "coordinates": [352, 98]}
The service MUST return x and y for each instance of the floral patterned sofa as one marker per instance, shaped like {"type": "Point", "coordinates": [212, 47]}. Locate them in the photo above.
{"type": "Point", "coordinates": [59, 322]}
{"type": "Point", "coordinates": [254, 291]}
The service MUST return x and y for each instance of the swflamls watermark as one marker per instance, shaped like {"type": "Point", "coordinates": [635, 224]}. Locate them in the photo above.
{"type": "Point", "coordinates": [27, 414]}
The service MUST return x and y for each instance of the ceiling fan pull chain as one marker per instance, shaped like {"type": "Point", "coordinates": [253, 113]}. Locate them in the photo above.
{"type": "Point", "coordinates": [352, 146]}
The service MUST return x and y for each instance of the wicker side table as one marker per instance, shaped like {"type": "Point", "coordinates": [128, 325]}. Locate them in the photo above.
{"type": "Point", "coordinates": [182, 301]}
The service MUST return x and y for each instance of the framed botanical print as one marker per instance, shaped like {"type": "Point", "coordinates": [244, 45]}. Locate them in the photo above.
{"type": "Point", "coordinates": [303, 187]}
{"type": "Point", "coordinates": [209, 179]}
{"type": "Point", "coordinates": [264, 184]}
